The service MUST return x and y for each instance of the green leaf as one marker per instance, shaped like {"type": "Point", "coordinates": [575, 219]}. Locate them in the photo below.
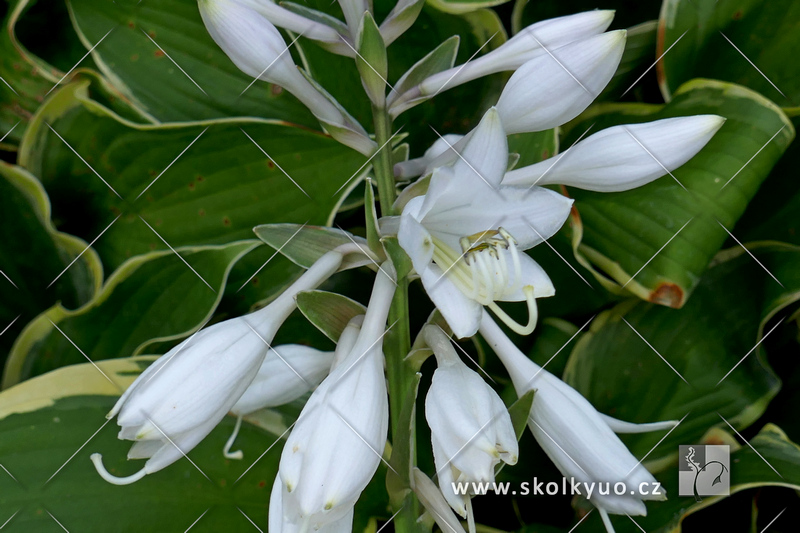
{"type": "Point", "coordinates": [371, 60]}
{"type": "Point", "coordinates": [303, 244]}
{"type": "Point", "coordinates": [40, 265]}
{"type": "Point", "coordinates": [520, 411]}
{"type": "Point", "coordinates": [202, 83]}
{"type": "Point", "coordinates": [717, 36]}
{"type": "Point", "coordinates": [750, 469]}
{"type": "Point", "coordinates": [51, 424]}
{"type": "Point", "coordinates": [458, 7]}
{"type": "Point", "coordinates": [631, 235]}
{"type": "Point", "coordinates": [639, 55]}
{"type": "Point", "coordinates": [205, 183]}
{"type": "Point", "coordinates": [439, 59]}
{"type": "Point", "coordinates": [713, 343]}
{"type": "Point", "coordinates": [328, 311]}
{"type": "Point", "coordinates": [533, 147]}
{"type": "Point", "coordinates": [154, 297]}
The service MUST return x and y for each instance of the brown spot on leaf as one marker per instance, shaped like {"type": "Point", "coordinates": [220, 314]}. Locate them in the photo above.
{"type": "Point", "coordinates": [158, 53]}
{"type": "Point", "coordinates": [545, 154]}
{"type": "Point", "coordinates": [191, 186]}
{"type": "Point", "coordinates": [199, 178]}
{"type": "Point", "coordinates": [131, 25]}
{"type": "Point", "coordinates": [668, 294]}
{"type": "Point", "coordinates": [737, 15]}
{"type": "Point", "coordinates": [276, 90]}
{"type": "Point", "coordinates": [226, 221]}
{"type": "Point", "coordinates": [262, 484]}
{"type": "Point", "coordinates": [201, 213]}
{"type": "Point", "coordinates": [270, 164]}
{"type": "Point", "coordinates": [134, 57]}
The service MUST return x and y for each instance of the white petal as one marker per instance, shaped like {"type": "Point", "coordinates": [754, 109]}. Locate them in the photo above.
{"type": "Point", "coordinates": [353, 11]}
{"type": "Point", "coordinates": [284, 18]}
{"type": "Point", "coordinates": [414, 238]}
{"type": "Point", "coordinates": [623, 157]}
{"type": "Point", "coordinates": [552, 89]}
{"type": "Point", "coordinates": [461, 313]}
{"type": "Point", "coordinates": [416, 167]}
{"type": "Point", "coordinates": [532, 274]}
{"type": "Point", "coordinates": [483, 160]}
{"type": "Point", "coordinates": [530, 215]}
{"type": "Point", "coordinates": [444, 472]}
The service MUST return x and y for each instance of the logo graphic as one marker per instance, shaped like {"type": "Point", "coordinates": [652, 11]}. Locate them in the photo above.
{"type": "Point", "coordinates": [704, 470]}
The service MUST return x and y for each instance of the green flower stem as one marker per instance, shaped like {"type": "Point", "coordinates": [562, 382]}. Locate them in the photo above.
{"type": "Point", "coordinates": [401, 377]}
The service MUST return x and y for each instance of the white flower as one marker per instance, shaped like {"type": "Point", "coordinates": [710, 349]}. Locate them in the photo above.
{"type": "Point", "coordinates": [551, 90]}
{"type": "Point", "coordinates": [284, 18]}
{"type": "Point", "coordinates": [420, 165]}
{"type": "Point", "coordinates": [353, 11]}
{"type": "Point", "coordinates": [466, 235]}
{"type": "Point", "coordinates": [184, 394]}
{"type": "Point", "coordinates": [533, 41]}
{"type": "Point", "coordinates": [623, 157]}
{"type": "Point", "coordinates": [278, 524]}
{"type": "Point", "coordinates": [336, 444]}
{"type": "Point", "coordinates": [471, 430]}
{"type": "Point", "coordinates": [579, 440]}
{"type": "Point", "coordinates": [287, 373]}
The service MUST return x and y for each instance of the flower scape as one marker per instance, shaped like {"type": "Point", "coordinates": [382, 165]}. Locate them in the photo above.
{"type": "Point", "coordinates": [538, 202]}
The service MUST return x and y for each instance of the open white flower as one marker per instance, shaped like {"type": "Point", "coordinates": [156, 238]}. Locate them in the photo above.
{"type": "Point", "coordinates": [466, 235]}
{"type": "Point", "coordinates": [579, 440]}
{"type": "Point", "coordinates": [471, 430]}
{"type": "Point", "coordinates": [336, 444]}
{"type": "Point", "coordinates": [623, 157]}
{"type": "Point", "coordinates": [185, 393]}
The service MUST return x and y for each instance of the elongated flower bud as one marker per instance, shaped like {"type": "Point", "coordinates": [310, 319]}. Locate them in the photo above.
{"type": "Point", "coordinates": [336, 444]}
{"type": "Point", "coordinates": [554, 88]}
{"type": "Point", "coordinates": [288, 372]}
{"type": "Point", "coordinates": [283, 18]}
{"type": "Point", "coordinates": [184, 394]}
{"type": "Point", "coordinates": [623, 157]}
{"type": "Point", "coordinates": [471, 429]}
{"type": "Point", "coordinates": [353, 11]}
{"type": "Point", "coordinates": [533, 41]}
{"type": "Point", "coordinates": [579, 440]}
{"type": "Point", "coordinates": [420, 165]}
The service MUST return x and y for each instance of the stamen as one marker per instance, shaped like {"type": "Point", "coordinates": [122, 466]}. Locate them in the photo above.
{"type": "Point", "coordinates": [97, 460]}
{"type": "Point", "coordinates": [226, 451]}
{"type": "Point", "coordinates": [470, 516]}
{"type": "Point", "coordinates": [488, 282]}
{"type": "Point", "coordinates": [533, 314]}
